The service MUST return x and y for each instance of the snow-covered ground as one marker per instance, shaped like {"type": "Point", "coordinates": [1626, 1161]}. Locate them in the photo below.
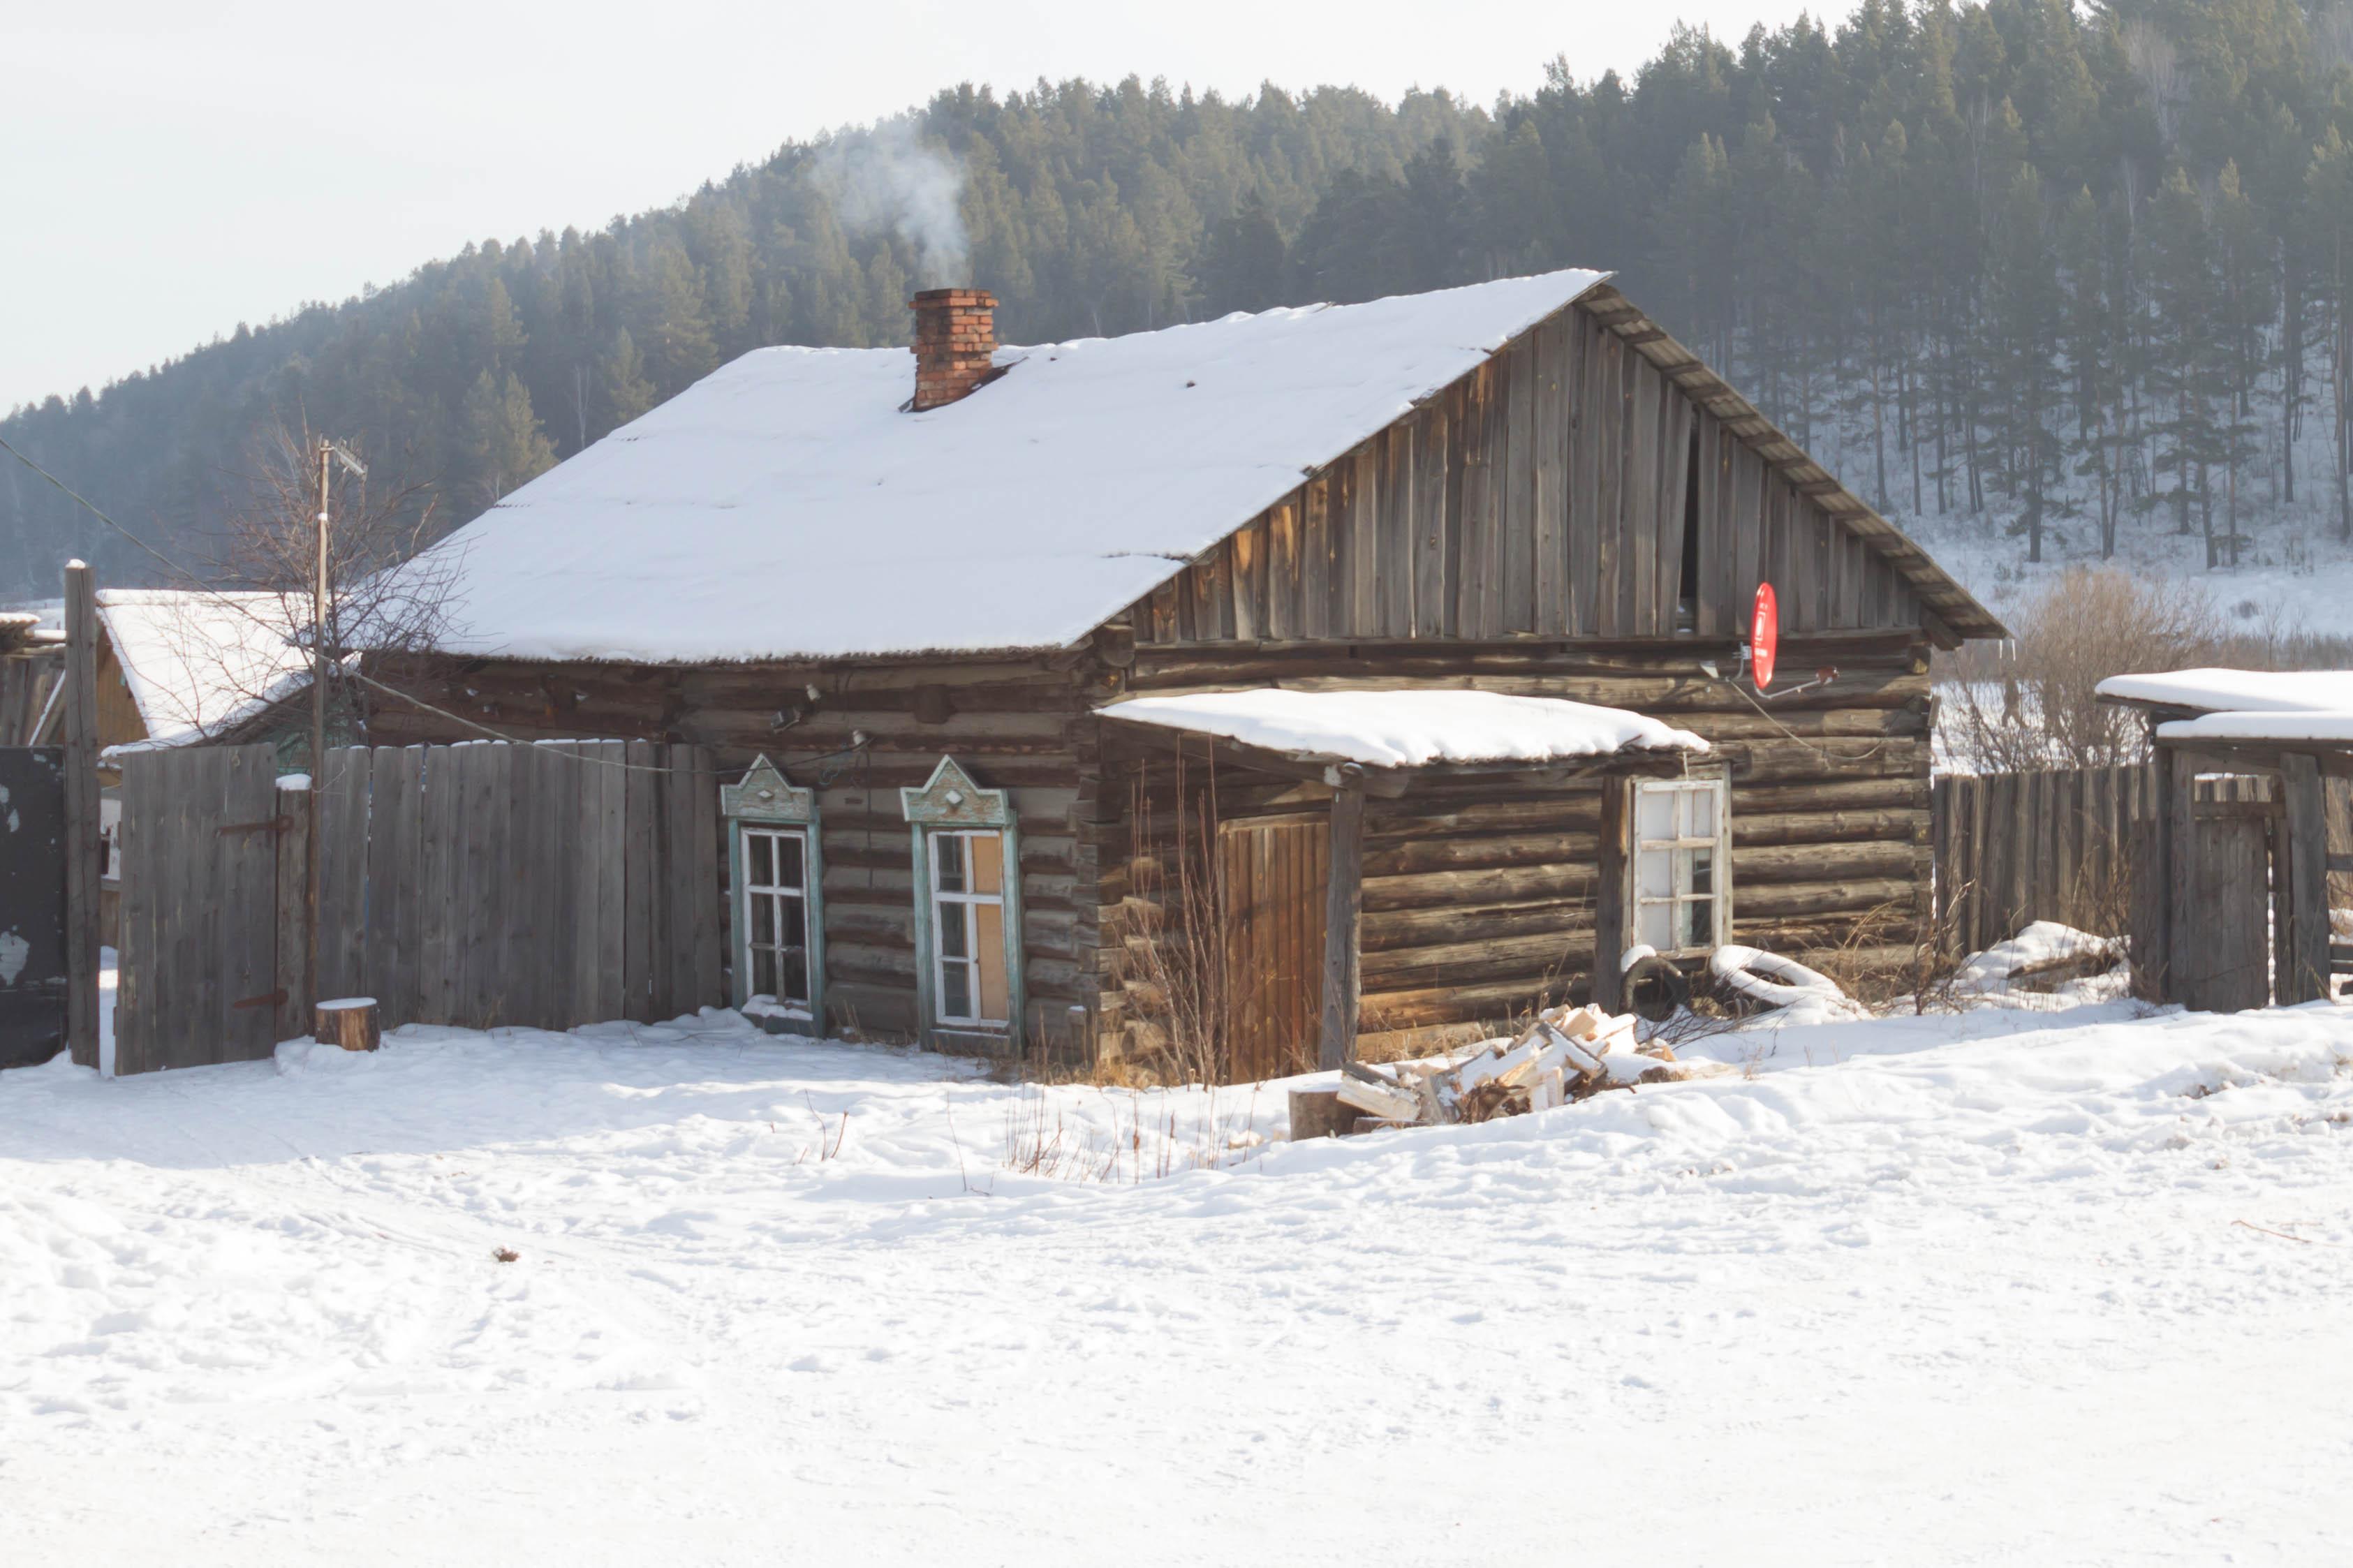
{"type": "Point", "coordinates": [2005, 1288]}
{"type": "Point", "coordinates": [2296, 577]}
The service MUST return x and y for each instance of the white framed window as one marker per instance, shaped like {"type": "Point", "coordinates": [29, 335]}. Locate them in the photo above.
{"type": "Point", "coordinates": [968, 978]}
{"type": "Point", "coordinates": [776, 860]}
{"type": "Point", "coordinates": [774, 877]}
{"type": "Point", "coordinates": [1682, 866]}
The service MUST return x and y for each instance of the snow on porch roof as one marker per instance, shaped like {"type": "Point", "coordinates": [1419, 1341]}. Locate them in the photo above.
{"type": "Point", "coordinates": [2237, 690]}
{"type": "Point", "coordinates": [784, 506]}
{"type": "Point", "coordinates": [1409, 728]}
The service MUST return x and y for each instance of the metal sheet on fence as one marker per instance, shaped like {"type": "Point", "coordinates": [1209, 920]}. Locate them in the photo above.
{"type": "Point", "coordinates": [32, 904]}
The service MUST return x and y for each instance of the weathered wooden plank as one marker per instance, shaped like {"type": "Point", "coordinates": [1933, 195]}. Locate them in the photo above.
{"type": "Point", "coordinates": [1677, 468]}
{"type": "Point", "coordinates": [1343, 929]}
{"type": "Point", "coordinates": [639, 866]}
{"type": "Point", "coordinates": [134, 932]}
{"type": "Point", "coordinates": [1286, 569]}
{"type": "Point", "coordinates": [248, 892]}
{"type": "Point", "coordinates": [1395, 564]}
{"type": "Point", "coordinates": [2302, 963]}
{"type": "Point", "coordinates": [1563, 478]}
{"type": "Point", "coordinates": [489, 885]}
{"type": "Point", "coordinates": [1640, 524]}
{"type": "Point", "coordinates": [1366, 537]}
{"type": "Point", "coordinates": [702, 880]}
{"type": "Point", "coordinates": [1432, 600]}
{"type": "Point", "coordinates": [1610, 412]}
{"type": "Point", "coordinates": [292, 943]}
{"type": "Point", "coordinates": [1247, 551]}
{"type": "Point", "coordinates": [1478, 558]}
{"type": "Point", "coordinates": [343, 864]}
{"type": "Point", "coordinates": [197, 938]}
{"type": "Point", "coordinates": [1315, 559]}
{"type": "Point", "coordinates": [1516, 463]}
{"type": "Point", "coordinates": [1610, 915]}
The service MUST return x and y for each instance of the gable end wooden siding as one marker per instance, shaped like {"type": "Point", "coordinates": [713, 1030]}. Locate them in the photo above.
{"type": "Point", "coordinates": [1545, 495]}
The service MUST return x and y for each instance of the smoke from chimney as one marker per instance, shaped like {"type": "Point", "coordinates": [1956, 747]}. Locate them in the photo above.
{"type": "Point", "coordinates": [889, 180]}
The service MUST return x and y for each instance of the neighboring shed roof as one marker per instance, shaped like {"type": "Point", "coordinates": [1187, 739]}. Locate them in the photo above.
{"type": "Point", "coordinates": [2246, 690]}
{"type": "Point", "coordinates": [785, 506]}
{"type": "Point", "coordinates": [1408, 729]}
{"type": "Point", "coordinates": [2332, 727]}
{"type": "Point", "coordinates": [199, 663]}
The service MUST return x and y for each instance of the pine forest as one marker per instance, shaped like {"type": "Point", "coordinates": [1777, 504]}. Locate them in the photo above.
{"type": "Point", "coordinates": [2044, 278]}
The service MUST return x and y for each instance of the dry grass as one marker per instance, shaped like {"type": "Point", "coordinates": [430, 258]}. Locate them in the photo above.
{"type": "Point", "coordinates": [1150, 1135]}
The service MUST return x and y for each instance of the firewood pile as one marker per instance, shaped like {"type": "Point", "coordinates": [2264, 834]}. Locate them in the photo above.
{"type": "Point", "coordinates": [1567, 1054]}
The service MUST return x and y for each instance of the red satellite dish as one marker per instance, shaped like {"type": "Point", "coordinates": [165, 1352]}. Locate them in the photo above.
{"type": "Point", "coordinates": [1764, 636]}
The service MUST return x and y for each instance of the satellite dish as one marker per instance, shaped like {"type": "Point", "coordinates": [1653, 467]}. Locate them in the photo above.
{"type": "Point", "coordinates": [1764, 636]}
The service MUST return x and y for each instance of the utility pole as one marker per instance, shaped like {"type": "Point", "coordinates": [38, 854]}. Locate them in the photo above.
{"type": "Point", "coordinates": [328, 454]}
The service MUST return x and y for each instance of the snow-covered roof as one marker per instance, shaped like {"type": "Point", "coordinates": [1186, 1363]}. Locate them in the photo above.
{"type": "Point", "coordinates": [784, 506]}
{"type": "Point", "coordinates": [2246, 690]}
{"type": "Point", "coordinates": [199, 663]}
{"type": "Point", "coordinates": [2333, 726]}
{"type": "Point", "coordinates": [1409, 728]}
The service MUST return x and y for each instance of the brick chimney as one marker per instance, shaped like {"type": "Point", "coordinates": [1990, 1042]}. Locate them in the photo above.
{"type": "Point", "coordinates": [955, 337]}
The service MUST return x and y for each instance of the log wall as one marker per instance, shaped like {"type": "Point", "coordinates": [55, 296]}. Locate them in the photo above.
{"type": "Point", "coordinates": [1565, 488]}
{"type": "Point", "coordinates": [1479, 896]}
{"type": "Point", "coordinates": [1014, 723]}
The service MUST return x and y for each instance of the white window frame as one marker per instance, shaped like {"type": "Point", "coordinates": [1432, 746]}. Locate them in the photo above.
{"type": "Point", "coordinates": [1681, 846]}
{"type": "Point", "coordinates": [971, 960]}
{"type": "Point", "coordinates": [803, 1007]}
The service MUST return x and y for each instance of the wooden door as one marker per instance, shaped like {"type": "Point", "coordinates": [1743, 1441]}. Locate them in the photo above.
{"type": "Point", "coordinates": [1271, 876]}
{"type": "Point", "coordinates": [2224, 951]}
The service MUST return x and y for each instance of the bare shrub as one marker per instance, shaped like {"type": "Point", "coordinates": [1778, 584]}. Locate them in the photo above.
{"type": "Point", "coordinates": [376, 594]}
{"type": "Point", "coordinates": [1174, 920]}
{"type": "Point", "coordinates": [2034, 703]}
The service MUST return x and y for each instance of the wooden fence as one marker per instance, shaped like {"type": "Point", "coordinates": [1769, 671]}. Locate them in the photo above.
{"type": "Point", "coordinates": [479, 884]}
{"type": "Point", "coordinates": [2054, 844]}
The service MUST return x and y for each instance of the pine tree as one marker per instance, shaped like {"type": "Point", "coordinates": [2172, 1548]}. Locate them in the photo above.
{"type": "Point", "coordinates": [504, 446]}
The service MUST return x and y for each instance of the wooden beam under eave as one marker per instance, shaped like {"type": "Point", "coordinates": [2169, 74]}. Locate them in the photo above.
{"type": "Point", "coordinates": [1343, 915]}
{"type": "Point", "coordinates": [1615, 852]}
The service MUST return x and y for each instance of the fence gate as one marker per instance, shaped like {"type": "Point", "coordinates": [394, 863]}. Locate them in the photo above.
{"type": "Point", "coordinates": [197, 970]}
{"type": "Point", "coordinates": [479, 884]}
{"type": "Point", "coordinates": [32, 904]}
{"type": "Point", "coordinates": [2221, 958]}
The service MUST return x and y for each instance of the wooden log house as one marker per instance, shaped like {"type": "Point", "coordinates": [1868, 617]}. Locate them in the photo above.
{"type": "Point", "coordinates": [917, 616]}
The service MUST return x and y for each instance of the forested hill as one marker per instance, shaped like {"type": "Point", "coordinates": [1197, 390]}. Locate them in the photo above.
{"type": "Point", "coordinates": [2079, 273]}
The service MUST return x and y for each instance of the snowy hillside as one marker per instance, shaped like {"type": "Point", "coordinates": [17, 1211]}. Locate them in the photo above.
{"type": "Point", "coordinates": [2005, 1288]}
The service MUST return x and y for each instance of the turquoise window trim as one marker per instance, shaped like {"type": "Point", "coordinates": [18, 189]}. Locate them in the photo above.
{"type": "Point", "coordinates": [952, 801]}
{"type": "Point", "coordinates": [765, 798]}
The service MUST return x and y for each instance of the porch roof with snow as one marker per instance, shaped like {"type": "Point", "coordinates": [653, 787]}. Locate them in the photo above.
{"type": "Point", "coordinates": [2234, 710]}
{"type": "Point", "coordinates": [2218, 690]}
{"type": "Point", "coordinates": [1403, 732]}
{"type": "Point", "coordinates": [786, 506]}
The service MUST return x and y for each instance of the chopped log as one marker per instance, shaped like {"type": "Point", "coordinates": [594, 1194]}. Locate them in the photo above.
{"type": "Point", "coordinates": [349, 1022]}
{"type": "Point", "coordinates": [1386, 1101]}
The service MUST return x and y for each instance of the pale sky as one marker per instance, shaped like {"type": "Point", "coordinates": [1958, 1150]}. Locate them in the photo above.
{"type": "Point", "coordinates": [175, 168]}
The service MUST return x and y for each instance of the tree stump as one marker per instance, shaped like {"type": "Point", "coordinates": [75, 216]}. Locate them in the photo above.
{"type": "Point", "coordinates": [349, 1022]}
